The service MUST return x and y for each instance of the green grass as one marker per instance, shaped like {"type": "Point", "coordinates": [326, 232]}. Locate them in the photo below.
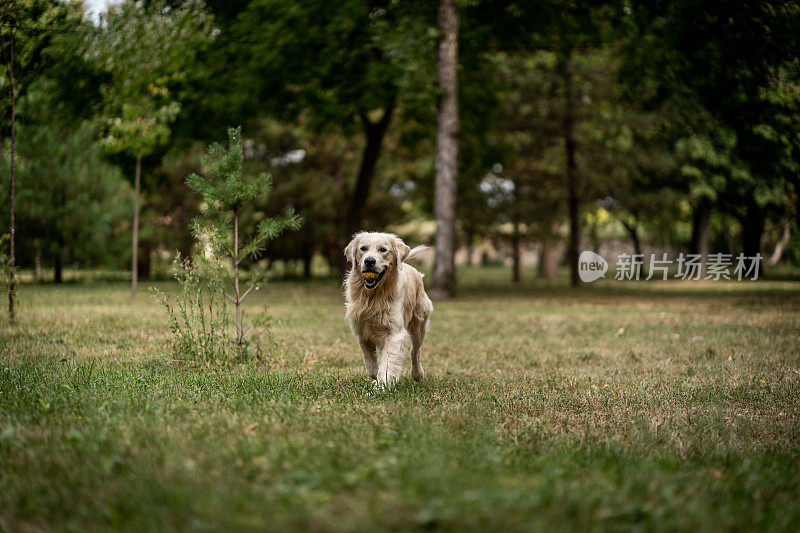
{"type": "Point", "coordinates": [621, 406]}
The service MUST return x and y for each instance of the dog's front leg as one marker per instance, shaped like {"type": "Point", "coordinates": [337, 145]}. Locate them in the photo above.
{"type": "Point", "coordinates": [370, 359]}
{"type": "Point", "coordinates": [392, 357]}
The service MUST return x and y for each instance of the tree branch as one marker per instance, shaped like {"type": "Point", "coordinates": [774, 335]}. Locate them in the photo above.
{"type": "Point", "coordinates": [241, 299]}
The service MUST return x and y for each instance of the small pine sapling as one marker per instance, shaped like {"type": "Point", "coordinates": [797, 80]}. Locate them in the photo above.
{"type": "Point", "coordinates": [226, 191]}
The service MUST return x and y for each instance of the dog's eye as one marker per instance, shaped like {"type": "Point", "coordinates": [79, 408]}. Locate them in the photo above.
{"type": "Point", "coordinates": [382, 249]}
{"type": "Point", "coordinates": [363, 248]}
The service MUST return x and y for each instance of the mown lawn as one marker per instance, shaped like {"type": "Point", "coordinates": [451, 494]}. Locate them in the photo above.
{"type": "Point", "coordinates": [621, 406]}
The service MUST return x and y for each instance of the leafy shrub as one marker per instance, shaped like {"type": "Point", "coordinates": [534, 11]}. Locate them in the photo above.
{"type": "Point", "coordinates": [198, 317]}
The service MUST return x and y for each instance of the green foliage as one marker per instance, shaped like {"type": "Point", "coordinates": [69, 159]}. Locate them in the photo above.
{"type": "Point", "coordinates": [225, 191]}
{"type": "Point", "coordinates": [348, 63]}
{"type": "Point", "coordinates": [710, 165]}
{"type": "Point", "coordinates": [139, 131]}
{"type": "Point", "coordinates": [36, 46]}
{"type": "Point", "coordinates": [145, 50]}
{"type": "Point", "coordinates": [49, 39]}
{"type": "Point", "coordinates": [675, 103]}
{"type": "Point", "coordinates": [223, 186]}
{"type": "Point", "coordinates": [71, 204]}
{"type": "Point", "coordinates": [730, 71]}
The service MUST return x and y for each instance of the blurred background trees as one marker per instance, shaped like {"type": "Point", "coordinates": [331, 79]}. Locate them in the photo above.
{"type": "Point", "coordinates": [632, 127]}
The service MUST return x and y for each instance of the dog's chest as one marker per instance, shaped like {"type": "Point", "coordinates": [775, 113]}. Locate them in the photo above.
{"type": "Point", "coordinates": [373, 322]}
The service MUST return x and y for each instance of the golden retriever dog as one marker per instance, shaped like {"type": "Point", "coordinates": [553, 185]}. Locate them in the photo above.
{"type": "Point", "coordinates": [386, 304]}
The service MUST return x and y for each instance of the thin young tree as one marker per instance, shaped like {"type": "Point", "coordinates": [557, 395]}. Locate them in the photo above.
{"type": "Point", "coordinates": [9, 18]}
{"type": "Point", "coordinates": [446, 152]}
{"type": "Point", "coordinates": [25, 47]}
{"type": "Point", "coordinates": [12, 263]}
{"type": "Point", "coordinates": [227, 191]}
{"type": "Point", "coordinates": [145, 50]}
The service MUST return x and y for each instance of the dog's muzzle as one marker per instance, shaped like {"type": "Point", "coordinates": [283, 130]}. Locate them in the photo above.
{"type": "Point", "coordinates": [372, 278]}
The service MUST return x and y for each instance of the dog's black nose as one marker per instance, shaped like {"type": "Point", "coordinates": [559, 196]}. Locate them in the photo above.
{"type": "Point", "coordinates": [369, 262]}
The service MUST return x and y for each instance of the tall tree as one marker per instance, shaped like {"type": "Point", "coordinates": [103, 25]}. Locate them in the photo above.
{"type": "Point", "coordinates": [736, 61]}
{"type": "Point", "coordinates": [9, 21]}
{"type": "Point", "coordinates": [446, 152]}
{"type": "Point", "coordinates": [12, 282]}
{"type": "Point", "coordinates": [569, 30]}
{"type": "Point", "coordinates": [145, 51]}
{"type": "Point", "coordinates": [348, 73]}
{"type": "Point", "coordinates": [571, 166]}
{"type": "Point", "coordinates": [22, 44]}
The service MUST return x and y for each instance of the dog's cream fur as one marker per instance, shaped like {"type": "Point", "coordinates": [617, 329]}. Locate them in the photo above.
{"type": "Point", "coordinates": [397, 309]}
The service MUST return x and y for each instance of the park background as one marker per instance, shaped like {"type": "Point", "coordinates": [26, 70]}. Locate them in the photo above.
{"type": "Point", "coordinates": [510, 136]}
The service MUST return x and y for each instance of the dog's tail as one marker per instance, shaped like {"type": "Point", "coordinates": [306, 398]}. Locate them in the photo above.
{"type": "Point", "coordinates": [415, 252]}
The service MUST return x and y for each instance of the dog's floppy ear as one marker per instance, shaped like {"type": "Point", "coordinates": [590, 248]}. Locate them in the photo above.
{"type": "Point", "coordinates": [350, 250]}
{"type": "Point", "coordinates": [401, 249]}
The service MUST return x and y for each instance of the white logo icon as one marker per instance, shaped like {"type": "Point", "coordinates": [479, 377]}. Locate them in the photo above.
{"type": "Point", "coordinates": [591, 266]}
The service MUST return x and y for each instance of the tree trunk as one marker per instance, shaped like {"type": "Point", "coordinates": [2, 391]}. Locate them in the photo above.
{"type": "Point", "coordinates": [307, 258]}
{"type": "Point", "coordinates": [700, 228]}
{"type": "Point", "coordinates": [58, 267]}
{"type": "Point", "coordinates": [237, 302]}
{"type": "Point", "coordinates": [633, 231]}
{"type": "Point", "coordinates": [726, 235]}
{"type": "Point", "coordinates": [446, 187]}
{"type": "Point", "coordinates": [775, 258]}
{"type": "Point", "coordinates": [545, 258]}
{"type": "Point", "coordinates": [135, 243]}
{"type": "Point", "coordinates": [573, 202]}
{"type": "Point", "coordinates": [145, 260]}
{"type": "Point", "coordinates": [12, 280]}
{"type": "Point", "coordinates": [37, 262]}
{"type": "Point", "coordinates": [374, 133]}
{"type": "Point", "coordinates": [701, 224]}
{"type": "Point", "coordinates": [752, 229]}
{"type": "Point", "coordinates": [637, 243]}
{"type": "Point", "coordinates": [470, 245]}
{"type": "Point", "coordinates": [550, 255]}
{"type": "Point", "coordinates": [516, 246]}
{"type": "Point", "coordinates": [594, 237]}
